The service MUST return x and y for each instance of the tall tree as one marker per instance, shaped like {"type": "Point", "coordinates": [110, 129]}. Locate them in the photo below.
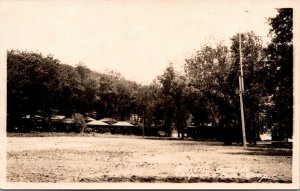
{"type": "Point", "coordinates": [280, 70]}
{"type": "Point", "coordinates": [173, 87]}
{"type": "Point", "coordinates": [117, 96]}
{"type": "Point", "coordinates": [88, 88]}
{"type": "Point", "coordinates": [30, 80]}
{"type": "Point", "coordinates": [206, 73]}
{"type": "Point", "coordinates": [152, 106]}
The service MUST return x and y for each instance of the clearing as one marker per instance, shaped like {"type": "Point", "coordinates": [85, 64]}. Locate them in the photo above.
{"type": "Point", "coordinates": [108, 158]}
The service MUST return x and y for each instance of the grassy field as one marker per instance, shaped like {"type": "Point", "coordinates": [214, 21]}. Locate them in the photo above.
{"type": "Point", "coordinates": [108, 158]}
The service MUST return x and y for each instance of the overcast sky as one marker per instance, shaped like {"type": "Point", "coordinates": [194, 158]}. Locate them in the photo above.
{"type": "Point", "coordinates": [136, 38]}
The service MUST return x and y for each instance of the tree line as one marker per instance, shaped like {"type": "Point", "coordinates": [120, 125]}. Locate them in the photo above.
{"type": "Point", "coordinates": [207, 91]}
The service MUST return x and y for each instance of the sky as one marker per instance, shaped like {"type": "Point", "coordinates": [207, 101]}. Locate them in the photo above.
{"type": "Point", "coordinates": [135, 38]}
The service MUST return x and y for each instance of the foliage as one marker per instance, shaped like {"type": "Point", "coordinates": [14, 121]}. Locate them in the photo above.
{"type": "Point", "coordinates": [173, 87]}
{"type": "Point", "coordinates": [30, 78]}
{"type": "Point", "coordinates": [206, 73]}
{"type": "Point", "coordinates": [40, 85]}
{"type": "Point", "coordinates": [79, 122]}
{"type": "Point", "coordinates": [280, 71]}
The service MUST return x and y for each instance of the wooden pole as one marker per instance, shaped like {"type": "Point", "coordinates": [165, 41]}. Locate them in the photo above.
{"type": "Point", "coordinates": [241, 86]}
{"type": "Point", "coordinates": [144, 125]}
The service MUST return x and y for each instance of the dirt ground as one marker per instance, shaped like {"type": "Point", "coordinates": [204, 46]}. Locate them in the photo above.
{"type": "Point", "coordinates": [134, 159]}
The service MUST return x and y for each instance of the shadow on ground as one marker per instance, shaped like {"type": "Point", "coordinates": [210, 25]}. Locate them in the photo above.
{"type": "Point", "coordinates": [264, 151]}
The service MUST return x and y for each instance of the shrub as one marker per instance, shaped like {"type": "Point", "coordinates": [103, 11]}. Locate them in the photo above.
{"type": "Point", "coordinates": [79, 122]}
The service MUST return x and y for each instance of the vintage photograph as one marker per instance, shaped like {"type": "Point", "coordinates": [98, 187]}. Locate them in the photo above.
{"type": "Point", "coordinates": [149, 93]}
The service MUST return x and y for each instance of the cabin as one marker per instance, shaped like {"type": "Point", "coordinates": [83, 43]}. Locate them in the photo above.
{"type": "Point", "coordinates": [98, 126]}
{"type": "Point", "coordinates": [121, 127]}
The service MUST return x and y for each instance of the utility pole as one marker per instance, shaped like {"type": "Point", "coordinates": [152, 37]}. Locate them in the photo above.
{"type": "Point", "coordinates": [241, 86]}
{"type": "Point", "coordinates": [144, 124]}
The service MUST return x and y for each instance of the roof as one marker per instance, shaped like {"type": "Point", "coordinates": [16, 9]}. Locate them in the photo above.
{"type": "Point", "coordinates": [57, 117]}
{"type": "Point", "coordinates": [90, 119]}
{"type": "Point", "coordinates": [34, 116]}
{"type": "Point", "coordinates": [95, 122]}
{"type": "Point", "coordinates": [68, 120]}
{"type": "Point", "coordinates": [123, 123]}
{"type": "Point", "coordinates": [106, 119]}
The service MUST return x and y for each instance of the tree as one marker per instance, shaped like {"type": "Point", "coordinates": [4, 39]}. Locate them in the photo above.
{"type": "Point", "coordinates": [88, 88]}
{"type": "Point", "coordinates": [66, 93]}
{"type": "Point", "coordinates": [31, 79]}
{"type": "Point", "coordinates": [206, 74]}
{"type": "Point", "coordinates": [117, 96]}
{"type": "Point", "coordinates": [280, 72]}
{"type": "Point", "coordinates": [79, 122]}
{"type": "Point", "coordinates": [212, 75]}
{"type": "Point", "coordinates": [39, 85]}
{"type": "Point", "coordinates": [173, 87]}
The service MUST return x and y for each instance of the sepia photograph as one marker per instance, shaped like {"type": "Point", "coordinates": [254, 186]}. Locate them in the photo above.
{"type": "Point", "coordinates": [149, 94]}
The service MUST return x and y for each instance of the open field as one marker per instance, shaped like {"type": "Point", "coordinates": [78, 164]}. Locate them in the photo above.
{"type": "Point", "coordinates": [107, 158]}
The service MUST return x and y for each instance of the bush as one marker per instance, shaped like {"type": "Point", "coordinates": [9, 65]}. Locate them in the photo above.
{"type": "Point", "coordinates": [79, 122]}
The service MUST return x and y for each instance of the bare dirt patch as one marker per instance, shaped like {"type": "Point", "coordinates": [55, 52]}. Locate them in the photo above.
{"type": "Point", "coordinates": [133, 159]}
